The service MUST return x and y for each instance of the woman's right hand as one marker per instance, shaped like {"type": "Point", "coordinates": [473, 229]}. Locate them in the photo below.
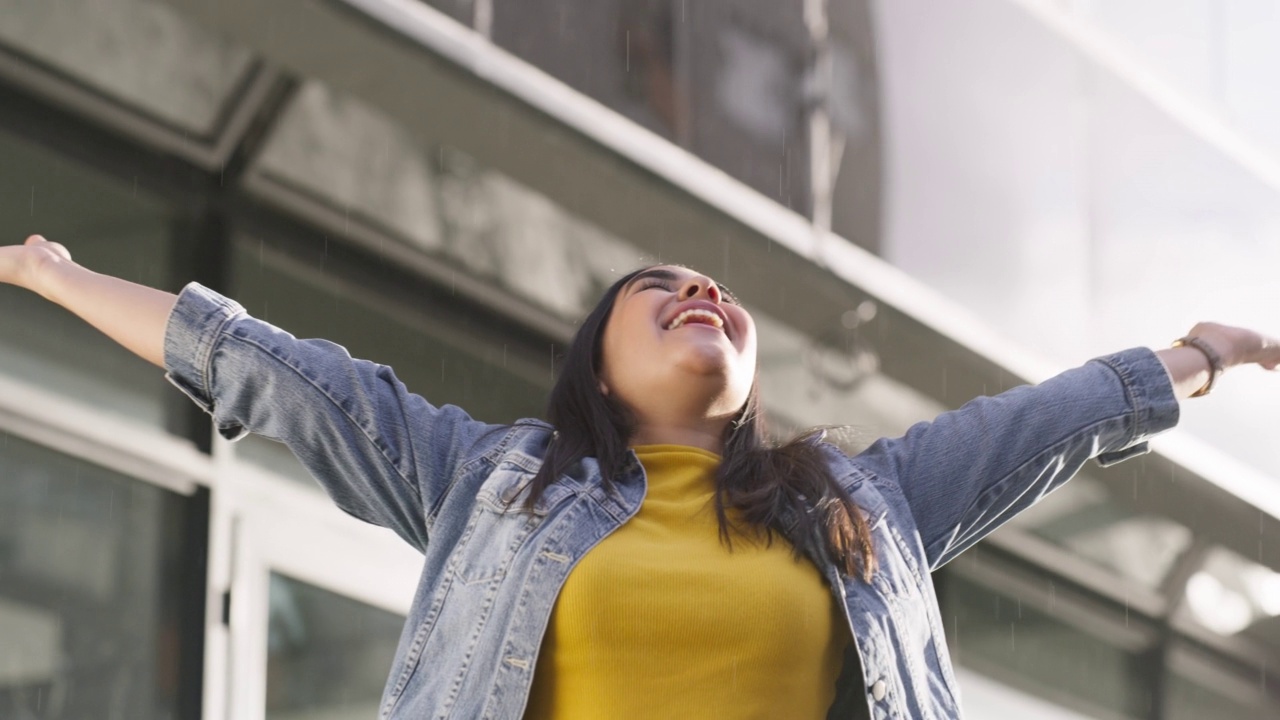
{"type": "Point", "coordinates": [131, 314]}
{"type": "Point", "coordinates": [22, 265]}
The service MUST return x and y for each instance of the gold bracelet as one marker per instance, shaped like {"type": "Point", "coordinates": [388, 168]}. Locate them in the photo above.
{"type": "Point", "coordinates": [1215, 360]}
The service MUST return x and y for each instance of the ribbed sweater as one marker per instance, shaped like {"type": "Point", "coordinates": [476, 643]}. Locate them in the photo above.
{"type": "Point", "coordinates": [660, 620]}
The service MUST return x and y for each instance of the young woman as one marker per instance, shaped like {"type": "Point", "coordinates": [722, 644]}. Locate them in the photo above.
{"type": "Point", "coordinates": [646, 553]}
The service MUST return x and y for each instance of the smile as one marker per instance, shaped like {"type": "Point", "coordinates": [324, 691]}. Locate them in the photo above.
{"type": "Point", "coordinates": [698, 317]}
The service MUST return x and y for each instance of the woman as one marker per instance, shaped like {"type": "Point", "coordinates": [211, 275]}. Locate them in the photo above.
{"type": "Point", "coordinates": [644, 554]}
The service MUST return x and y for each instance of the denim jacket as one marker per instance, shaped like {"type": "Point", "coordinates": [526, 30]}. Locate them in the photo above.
{"type": "Point", "coordinates": [452, 487]}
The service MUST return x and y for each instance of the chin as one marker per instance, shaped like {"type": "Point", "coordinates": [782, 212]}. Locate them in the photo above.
{"type": "Point", "coordinates": [714, 355]}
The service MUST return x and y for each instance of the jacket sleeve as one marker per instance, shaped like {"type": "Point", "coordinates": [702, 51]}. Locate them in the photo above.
{"type": "Point", "coordinates": [970, 470]}
{"type": "Point", "coordinates": [383, 454]}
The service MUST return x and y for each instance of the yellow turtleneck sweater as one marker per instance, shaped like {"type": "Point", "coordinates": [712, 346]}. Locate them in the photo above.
{"type": "Point", "coordinates": [660, 620]}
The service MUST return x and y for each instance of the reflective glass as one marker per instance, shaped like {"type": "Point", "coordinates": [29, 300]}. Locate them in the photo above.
{"type": "Point", "coordinates": [461, 10]}
{"type": "Point", "coordinates": [99, 608]}
{"type": "Point", "coordinates": [1030, 647]}
{"type": "Point", "coordinates": [721, 79]}
{"type": "Point", "coordinates": [108, 227]}
{"type": "Point", "coordinates": [327, 655]}
{"type": "Point", "coordinates": [141, 52]}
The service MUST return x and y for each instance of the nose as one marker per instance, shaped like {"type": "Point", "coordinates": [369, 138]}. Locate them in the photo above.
{"type": "Point", "coordinates": [701, 285]}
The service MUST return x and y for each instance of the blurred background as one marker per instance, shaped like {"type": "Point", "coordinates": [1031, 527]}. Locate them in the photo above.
{"type": "Point", "coordinates": [920, 202]}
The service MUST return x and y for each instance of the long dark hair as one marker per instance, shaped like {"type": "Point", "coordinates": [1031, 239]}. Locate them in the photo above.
{"type": "Point", "coordinates": [782, 488]}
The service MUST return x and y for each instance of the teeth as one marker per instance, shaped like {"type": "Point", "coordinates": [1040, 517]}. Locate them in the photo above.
{"type": "Point", "coordinates": [683, 317]}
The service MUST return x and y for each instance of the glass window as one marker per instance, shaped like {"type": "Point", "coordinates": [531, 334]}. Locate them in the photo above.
{"type": "Point", "coordinates": [721, 79]}
{"type": "Point", "coordinates": [461, 10]}
{"type": "Point", "coordinates": [109, 228]}
{"type": "Point", "coordinates": [619, 52]}
{"type": "Point", "coordinates": [100, 603]}
{"type": "Point", "coordinates": [487, 379]}
{"type": "Point", "coordinates": [746, 70]}
{"type": "Point", "coordinates": [327, 655]}
{"type": "Point", "coordinates": [1024, 644]}
{"type": "Point", "coordinates": [141, 52]}
{"type": "Point", "coordinates": [1204, 686]}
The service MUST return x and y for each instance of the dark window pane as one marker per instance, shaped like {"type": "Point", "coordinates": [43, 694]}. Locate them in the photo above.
{"type": "Point", "coordinates": [620, 52]}
{"type": "Point", "coordinates": [327, 655]}
{"type": "Point", "coordinates": [99, 580]}
{"type": "Point", "coordinates": [722, 79]}
{"type": "Point", "coordinates": [1033, 648]}
{"type": "Point", "coordinates": [461, 10]}
{"type": "Point", "coordinates": [1205, 686]}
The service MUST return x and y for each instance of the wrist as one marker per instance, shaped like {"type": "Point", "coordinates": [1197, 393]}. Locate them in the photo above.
{"type": "Point", "coordinates": [1235, 346]}
{"type": "Point", "coordinates": [46, 273]}
{"type": "Point", "coordinates": [1211, 356]}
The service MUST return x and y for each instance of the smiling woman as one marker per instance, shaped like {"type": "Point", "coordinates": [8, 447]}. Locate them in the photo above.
{"type": "Point", "coordinates": [646, 551]}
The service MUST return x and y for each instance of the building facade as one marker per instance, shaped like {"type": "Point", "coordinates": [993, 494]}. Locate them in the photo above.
{"type": "Point", "coordinates": [446, 188]}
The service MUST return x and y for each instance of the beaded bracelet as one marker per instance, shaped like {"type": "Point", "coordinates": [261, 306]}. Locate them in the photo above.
{"type": "Point", "coordinates": [1215, 360]}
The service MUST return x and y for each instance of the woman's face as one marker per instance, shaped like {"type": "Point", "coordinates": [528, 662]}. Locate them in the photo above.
{"type": "Point", "coordinates": [676, 339]}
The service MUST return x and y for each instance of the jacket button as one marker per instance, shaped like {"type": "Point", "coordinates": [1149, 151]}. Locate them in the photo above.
{"type": "Point", "coordinates": [878, 690]}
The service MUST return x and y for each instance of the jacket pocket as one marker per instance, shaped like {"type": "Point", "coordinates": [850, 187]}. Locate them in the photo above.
{"type": "Point", "coordinates": [500, 524]}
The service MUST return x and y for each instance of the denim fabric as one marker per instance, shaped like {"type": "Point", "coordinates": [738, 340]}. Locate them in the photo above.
{"type": "Point", "coordinates": [491, 573]}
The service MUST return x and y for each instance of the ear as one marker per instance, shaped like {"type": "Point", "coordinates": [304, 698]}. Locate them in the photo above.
{"type": "Point", "coordinates": [604, 389]}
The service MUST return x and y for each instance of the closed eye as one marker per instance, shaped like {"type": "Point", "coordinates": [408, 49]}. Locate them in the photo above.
{"type": "Point", "coordinates": [646, 284]}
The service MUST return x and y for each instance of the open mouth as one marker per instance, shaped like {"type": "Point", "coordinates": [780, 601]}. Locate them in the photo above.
{"type": "Point", "coordinates": [696, 316]}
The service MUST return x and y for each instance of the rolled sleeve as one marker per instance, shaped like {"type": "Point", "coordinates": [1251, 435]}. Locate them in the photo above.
{"type": "Point", "coordinates": [1153, 405]}
{"type": "Point", "coordinates": [194, 327]}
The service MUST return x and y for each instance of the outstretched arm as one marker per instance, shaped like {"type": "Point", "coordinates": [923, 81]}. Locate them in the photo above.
{"type": "Point", "coordinates": [972, 469]}
{"type": "Point", "coordinates": [131, 314]}
{"type": "Point", "coordinates": [382, 453]}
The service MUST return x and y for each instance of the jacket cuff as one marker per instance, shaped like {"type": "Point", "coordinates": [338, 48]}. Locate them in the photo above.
{"type": "Point", "coordinates": [1152, 402]}
{"type": "Point", "coordinates": [191, 334]}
